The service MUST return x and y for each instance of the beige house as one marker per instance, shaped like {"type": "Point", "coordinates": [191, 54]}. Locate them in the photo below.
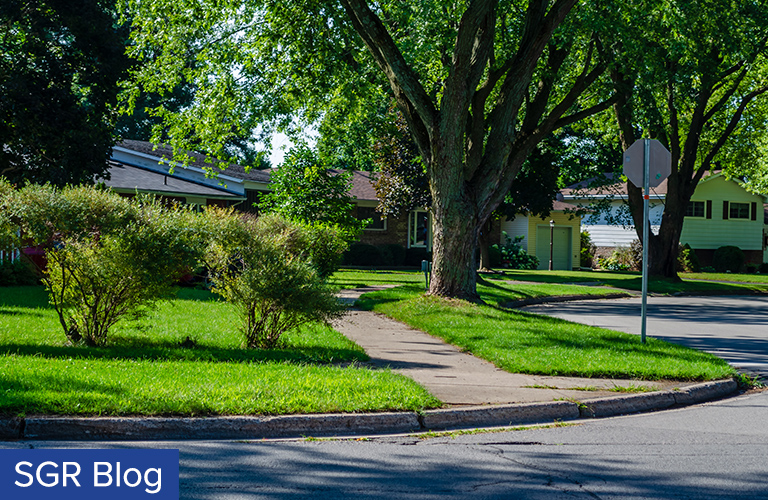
{"type": "Point", "coordinates": [561, 228]}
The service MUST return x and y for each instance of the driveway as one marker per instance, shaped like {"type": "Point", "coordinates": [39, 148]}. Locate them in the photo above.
{"type": "Point", "coordinates": [734, 328]}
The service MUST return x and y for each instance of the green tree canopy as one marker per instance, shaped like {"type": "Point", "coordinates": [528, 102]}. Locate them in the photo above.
{"type": "Point", "coordinates": [305, 190]}
{"type": "Point", "coordinates": [479, 83]}
{"type": "Point", "coordinates": [694, 76]}
{"type": "Point", "coordinates": [60, 64]}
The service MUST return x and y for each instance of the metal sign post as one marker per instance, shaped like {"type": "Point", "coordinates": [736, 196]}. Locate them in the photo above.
{"type": "Point", "coordinates": [646, 163]}
{"type": "Point", "coordinates": [646, 225]}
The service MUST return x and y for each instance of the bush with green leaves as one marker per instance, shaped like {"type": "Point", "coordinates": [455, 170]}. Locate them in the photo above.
{"type": "Point", "coordinates": [587, 252]}
{"type": "Point", "coordinates": [636, 255]}
{"type": "Point", "coordinates": [687, 261]}
{"type": "Point", "coordinates": [514, 256]}
{"type": "Point", "coordinates": [621, 259]}
{"type": "Point", "coordinates": [108, 257]}
{"type": "Point", "coordinates": [728, 258]}
{"type": "Point", "coordinates": [392, 254]}
{"type": "Point", "coordinates": [264, 268]}
{"type": "Point", "coordinates": [17, 273]}
{"type": "Point", "coordinates": [8, 228]}
{"type": "Point", "coordinates": [363, 254]}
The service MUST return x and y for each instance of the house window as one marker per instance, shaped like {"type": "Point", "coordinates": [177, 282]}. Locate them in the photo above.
{"type": "Point", "coordinates": [695, 209]}
{"type": "Point", "coordinates": [738, 210]}
{"type": "Point", "coordinates": [419, 229]}
{"type": "Point", "coordinates": [377, 223]}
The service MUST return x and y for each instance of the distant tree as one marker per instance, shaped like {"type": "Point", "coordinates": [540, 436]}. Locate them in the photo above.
{"type": "Point", "coordinates": [402, 183]}
{"type": "Point", "coordinates": [304, 189]}
{"type": "Point", "coordinates": [60, 65]}
{"type": "Point", "coordinates": [689, 74]}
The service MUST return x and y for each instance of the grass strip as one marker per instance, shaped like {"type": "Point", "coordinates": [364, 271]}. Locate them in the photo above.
{"type": "Point", "coordinates": [520, 342]}
{"type": "Point", "coordinates": [148, 387]}
{"type": "Point", "coordinates": [692, 283]}
{"type": "Point", "coordinates": [151, 368]}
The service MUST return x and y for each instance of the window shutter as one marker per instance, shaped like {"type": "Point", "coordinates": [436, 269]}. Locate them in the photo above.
{"type": "Point", "coordinates": [753, 211]}
{"type": "Point", "coordinates": [709, 209]}
{"type": "Point", "coordinates": [725, 210]}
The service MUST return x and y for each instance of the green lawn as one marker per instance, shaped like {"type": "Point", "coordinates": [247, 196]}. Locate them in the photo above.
{"type": "Point", "coordinates": [145, 370]}
{"type": "Point", "coordinates": [525, 284]}
{"type": "Point", "coordinates": [519, 342]}
{"type": "Point", "coordinates": [691, 283]}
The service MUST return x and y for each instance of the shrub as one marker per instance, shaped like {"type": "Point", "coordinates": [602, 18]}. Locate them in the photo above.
{"type": "Point", "coordinates": [363, 254]}
{"type": "Point", "coordinates": [752, 268]}
{"type": "Point", "coordinates": [108, 257]}
{"type": "Point", "coordinates": [687, 261]}
{"type": "Point", "coordinates": [273, 286]}
{"type": "Point", "coordinates": [621, 259]}
{"type": "Point", "coordinates": [763, 268]}
{"type": "Point", "coordinates": [392, 254]}
{"type": "Point", "coordinates": [514, 256]}
{"type": "Point", "coordinates": [728, 258]}
{"type": "Point", "coordinates": [588, 249]}
{"type": "Point", "coordinates": [323, 244]}
{"type": "Point", "coordinates": [635, 255]}
{"type": "Point", "coordinates": [414, 256]}
{"type": "Point", "coordinates": [494, 255]}
{"type": "Point", "coordinates": [8, 227]}
{"type": "Point", "coordinates": [17, 273]}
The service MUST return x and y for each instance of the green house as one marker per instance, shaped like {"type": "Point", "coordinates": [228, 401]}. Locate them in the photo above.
{"type": "Point", "coordinates": [722, 212]}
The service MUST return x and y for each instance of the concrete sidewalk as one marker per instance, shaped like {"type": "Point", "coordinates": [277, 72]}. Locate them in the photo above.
{"type": "Point", "coordinates": [458, 378]}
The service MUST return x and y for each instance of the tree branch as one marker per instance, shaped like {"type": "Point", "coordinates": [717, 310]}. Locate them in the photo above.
{"type": "Point", "coordinates": [413, 100]}
{"type": "Point", "coordinates": [732, 123]}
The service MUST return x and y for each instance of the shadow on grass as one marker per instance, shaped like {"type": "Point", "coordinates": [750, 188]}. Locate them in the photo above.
{"type": "Point", "coordinates": [503, 294]}
{"type": "Point", "coordinates": [172, 352]}
{"type": "Point", "coordinates": [27, 397]}
{"type": "Point", "coordinates": [42, 394]}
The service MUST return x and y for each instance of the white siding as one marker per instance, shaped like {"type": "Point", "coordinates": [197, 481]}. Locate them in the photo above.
{"type": "Point", "coordinates": [612, 236]}
{"type": "Point", "coordinates": [516, 227]}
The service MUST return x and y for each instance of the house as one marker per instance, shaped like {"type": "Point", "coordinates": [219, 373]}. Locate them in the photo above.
{"type": "Point", "coordinates": [414, 229]}
{"type": "Point", "coordinates": [139, 166]}
{"type": "Point", "coordinates": [559, 233]}
{"type": "Point", "coordinates": [721, 212]}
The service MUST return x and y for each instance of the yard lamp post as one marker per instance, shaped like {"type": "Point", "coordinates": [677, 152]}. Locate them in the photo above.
{"type": "Point", "coordinates": [551, 242]}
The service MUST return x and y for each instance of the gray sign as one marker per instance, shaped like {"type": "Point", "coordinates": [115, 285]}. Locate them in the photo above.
{"type": "Point", "coordinates": [660, 163]}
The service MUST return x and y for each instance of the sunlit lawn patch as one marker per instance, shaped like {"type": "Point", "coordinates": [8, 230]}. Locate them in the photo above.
{"type": "Point", "coordinates": [150, 368]}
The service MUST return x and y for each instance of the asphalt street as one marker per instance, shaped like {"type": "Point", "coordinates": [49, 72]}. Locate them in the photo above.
{"type": "Point", "coordinates": [734, 328]}
{"type": "Point", "coordinates": [717, 450]}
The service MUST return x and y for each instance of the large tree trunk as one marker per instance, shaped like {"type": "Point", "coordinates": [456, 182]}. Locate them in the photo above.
{"type": "Point", "coordinates": [456, 229]}
{"type": "Point", "coordinates": [664, 246]}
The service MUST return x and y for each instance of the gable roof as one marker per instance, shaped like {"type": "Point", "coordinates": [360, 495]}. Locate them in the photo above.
{"type": "Point", "coordinates": [362, 186]}
{"type": "Point", "coordinates": [200, 161]}
{"type": "Point", "coordinates": [128, 178]}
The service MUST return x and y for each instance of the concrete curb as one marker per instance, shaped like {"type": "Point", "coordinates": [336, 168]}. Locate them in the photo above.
{"type": "Point", "coordinates": [498, 416]}
{"type": "Point", "coordinates": [533, 301]}
{"type": "Point", "coordinates": [346, 424]}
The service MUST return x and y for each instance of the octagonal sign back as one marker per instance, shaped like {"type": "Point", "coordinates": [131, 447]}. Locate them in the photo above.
{"type": "Point", "coordinates": [660, 163]}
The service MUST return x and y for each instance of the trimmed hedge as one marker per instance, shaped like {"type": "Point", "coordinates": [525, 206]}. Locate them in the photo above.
{"type": "Point", "coordinates": [392, 254]}
{"type": "Point", "coordinates": [728, 258]}
{"type": "Point", "coordinates": [362, 254]}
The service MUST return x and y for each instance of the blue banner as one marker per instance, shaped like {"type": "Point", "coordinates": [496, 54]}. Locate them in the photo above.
{"type": "Point", "coordinates": [89, 474]}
